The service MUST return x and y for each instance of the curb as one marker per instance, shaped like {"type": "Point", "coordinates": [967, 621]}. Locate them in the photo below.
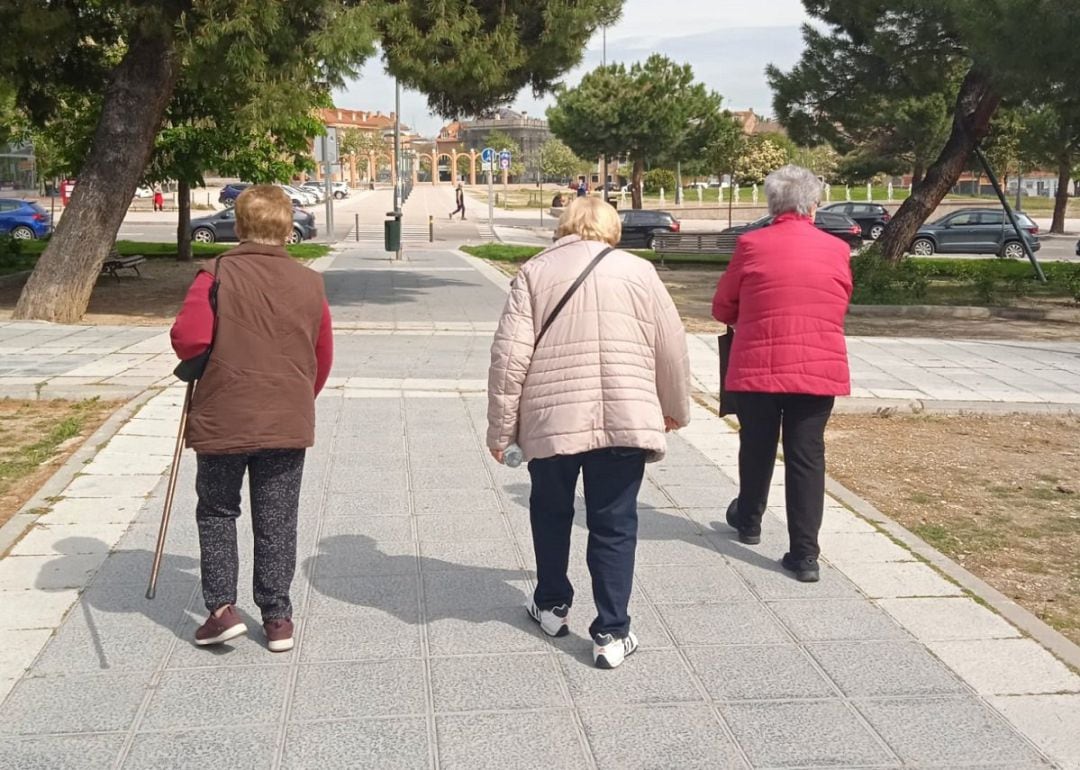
{"type": "Point", "coordinates": [13, 278]}
{"type": "Point", "coordinates": [858, 405]}
{"type": "Point", "coordinates": [40, 502]}
{"type": "Point", "coordinates": [967, 311]}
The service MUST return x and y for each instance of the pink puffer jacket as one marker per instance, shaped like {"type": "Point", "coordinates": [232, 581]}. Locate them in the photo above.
{"type": "Point", "coordinates": [610, 368]}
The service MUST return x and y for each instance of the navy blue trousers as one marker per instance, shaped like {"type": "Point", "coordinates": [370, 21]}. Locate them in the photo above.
{"type": "Point", "coordinates": [612, 481]}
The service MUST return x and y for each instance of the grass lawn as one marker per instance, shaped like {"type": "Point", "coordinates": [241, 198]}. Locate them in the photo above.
{"type": "Point", "coordinates": [36, 437]}
{"type": "Point", "coordinates": [154, 298]}
{"type": "Point", "coordinates": [999, 494]}
{"type": "Point", "coordinates": [200, 250]}
{"type": "Point", "coordinates": [507, 253]}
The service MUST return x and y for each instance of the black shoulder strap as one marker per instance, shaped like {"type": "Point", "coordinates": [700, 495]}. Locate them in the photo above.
{"type": "Point", "coordinates": [570, 293]}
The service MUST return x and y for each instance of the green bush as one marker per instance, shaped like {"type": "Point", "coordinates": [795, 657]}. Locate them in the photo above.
{"type": "Point", "coordinates": [11, 253]}
{"type": "Point", "coordinates": [880, 282]}
{"type": "Point", "coordinates": [660, 177]}
{"type": "Point", "coordinates": [1067, 276]}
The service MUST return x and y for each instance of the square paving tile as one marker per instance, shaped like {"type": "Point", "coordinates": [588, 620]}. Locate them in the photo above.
{"type": "Point", "coordinates": [887, 580]}
{"type": "Point", "coordinates": [804, 734]}
{"type": "Point", "coordinates": [475, 589]}
{"type": "Point", "coordinates": [71, 752]}
{"type": "Point", "coordinates": [248, 748]}
{"type": "Point", "coordinates": [758, 672]}
{"type": "Point", "coordinates": [375, 502]}
{"type": "Point", "coordinates": [478, 631]}
{"type": "Point", "coordinates": [880, 669]}
{"type": "Point", "coordinates": [934, 619]}
{"type": "Point", "coordinates": [1049, 720]}
{"type": "Point", "coordinates": [501, 741]}
{"type": "Point", "coordinates": [1007, 666]}
{"type": "Point", "coordinates": [381, 529]}
{"type": "Point", "coordinates": [256, 695]}
{"type": "Point", "coordinates": [837, 620]}
{"type": "Point", "coordinates": [648, 676]}
{"type": "Point", "coordinates": [444, 501]}
{"type": "Point", "coordinates": [359, 556]}
{"type": "Point", "coordinates": [365, 689]}
{"type": "Point", "coordinates": [679, 584]}
{"type": "Point", "coordinates": [729, 623]}
{"type": "Point", "coordinates": [73, 704]}
{"type": "Point", "coordinates": [458, 528]}
{"type": "Point", "coordinates": [496, 683]}
{"type": "Point", "coordinates": [677, 736]}
{"type": "Point", "coordinates": [375, 744]}
{"type": "Point", "coordinates": [489, 554]}
{"type": "Point", "coordinates": [947, 732]}
{"type": "Point", "coordinates": [396, 594]}
{"type": "Point", "coordinates": [364, 634]}
{"type": "Point", "coordinates": [770, 582]}
{"type": "Point", "coordinates": [247, 650]}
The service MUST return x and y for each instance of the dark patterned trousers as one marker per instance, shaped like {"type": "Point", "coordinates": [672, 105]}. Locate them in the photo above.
{"type": "Point", "coordinates": [274, 485]}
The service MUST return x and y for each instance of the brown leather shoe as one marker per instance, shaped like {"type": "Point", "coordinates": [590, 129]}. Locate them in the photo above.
{"type": "Point", "coordinates": [216, 630]}
{"type": "Point", "coordinates": [279, 633]}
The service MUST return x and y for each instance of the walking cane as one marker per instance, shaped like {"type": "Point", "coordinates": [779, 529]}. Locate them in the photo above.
{"type": "Point", "coordinates": [173, 472]}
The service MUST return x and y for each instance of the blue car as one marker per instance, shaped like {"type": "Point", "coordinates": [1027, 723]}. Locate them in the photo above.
{"type": "Point", "coordinates": [24, 220]}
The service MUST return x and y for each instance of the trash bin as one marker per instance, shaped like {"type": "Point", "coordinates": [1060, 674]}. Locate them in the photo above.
{"type": "Point", "coordinates": [392, 232]}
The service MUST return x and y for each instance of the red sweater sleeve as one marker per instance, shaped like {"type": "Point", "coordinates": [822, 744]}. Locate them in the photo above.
{"type": "Point", "coordinates": [194, 325]}
{"type": "Point", "coordinates": [324, 349]}
{"type": "Point", "coordinates": [725, 308]}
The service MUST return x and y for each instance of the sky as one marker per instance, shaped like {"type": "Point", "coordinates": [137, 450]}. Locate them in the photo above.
{"type": "Point", "coordinates": [727, 42]}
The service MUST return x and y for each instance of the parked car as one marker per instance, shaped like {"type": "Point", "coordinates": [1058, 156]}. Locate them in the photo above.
{"type": "Point", "coordinates": [142, 191]}
{"type": "Point", "coordinates": [316, 188]}
{"type": "Point", "coordinates": [24, 220]}
{"type": "Point", "coordinates": [975, 231]}
{"type": "Point", "coordinates": [1078, 248]}
{"type": "Point", "coordinates": [839, 225]}
{"type": "Point", "coordinates": [872, 217]}
{"type": "Point", "coordinates": [221, 227]}
{"type": "Point", "coordinates": [341, 190]}
{"type": "Point", "coordinates": [639, 226]}
{"type": "Point", "coordinates": [299, 197]}
{"type": "Point", "coordinates": [230, 192]}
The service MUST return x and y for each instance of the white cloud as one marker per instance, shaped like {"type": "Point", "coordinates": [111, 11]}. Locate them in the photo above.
{"type": "Point", "coordinates": [728, 43]}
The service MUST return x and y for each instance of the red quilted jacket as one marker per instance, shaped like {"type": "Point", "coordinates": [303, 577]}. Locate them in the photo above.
{"type": "Point", "coordinates": [787, 291]}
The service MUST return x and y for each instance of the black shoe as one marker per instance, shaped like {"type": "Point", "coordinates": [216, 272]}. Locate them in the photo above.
{"type": "Point", "coordinates": [748, 533]}
{"type": "Point", "coordinates": [806, 569]}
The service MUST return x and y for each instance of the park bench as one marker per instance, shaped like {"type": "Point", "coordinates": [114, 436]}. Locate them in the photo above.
{"type": "Point", "coordinates": [114, 263]}
{"type": "Point", "coordinates": [711, 244]}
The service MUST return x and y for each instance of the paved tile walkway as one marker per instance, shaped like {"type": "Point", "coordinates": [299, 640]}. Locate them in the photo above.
{"type": "Point", "coordinates": [413, 649]}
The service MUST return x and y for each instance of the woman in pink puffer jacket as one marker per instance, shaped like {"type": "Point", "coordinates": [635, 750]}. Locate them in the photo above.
{"type": "Point", "coordinates": [594, 396]}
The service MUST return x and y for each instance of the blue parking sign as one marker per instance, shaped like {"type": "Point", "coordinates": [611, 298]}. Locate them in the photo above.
{"type": "Point", "coordinates": [487, 155]}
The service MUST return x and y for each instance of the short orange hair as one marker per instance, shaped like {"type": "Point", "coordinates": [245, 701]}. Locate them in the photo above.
{"type": "Point", "coordinates": [264, 214]}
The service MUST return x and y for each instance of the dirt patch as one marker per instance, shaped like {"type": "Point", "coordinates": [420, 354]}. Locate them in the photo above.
{"type": "Point", "coordinates": [36, 438]}
{"type": "Point", "coordinates": [154, 299]}
{"type": "Point", "coordinates": [1000, 495]}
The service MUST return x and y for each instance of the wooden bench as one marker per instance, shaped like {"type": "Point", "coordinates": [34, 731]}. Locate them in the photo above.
{"type": "Point", "coordinates": [114, 263]}
{"type": "Point", "coordinates": [713, 244]}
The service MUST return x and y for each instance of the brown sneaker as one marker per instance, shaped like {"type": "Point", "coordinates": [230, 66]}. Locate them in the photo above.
{"type": "Point", "coordinates": [216, 630]}
{"type": "Point", "coordinates": [279, 634]}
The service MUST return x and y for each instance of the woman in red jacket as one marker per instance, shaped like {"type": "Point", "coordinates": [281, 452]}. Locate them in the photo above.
{"type": "Point", "coordinates": [786, 291]}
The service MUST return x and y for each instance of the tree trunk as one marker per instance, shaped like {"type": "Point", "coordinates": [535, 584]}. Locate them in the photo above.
{"type": "Point", "coordinates": [183, 224]}
{"type": "Point", "coordinates": [975, 107]}
{"type": "Point", "coordinates": [638, 174]}
{"type": "Point", "coordinates": [1061, 200]}
{"type": "Point", "coordinates": [917, 175]}
{"type": "Point", "coordinates": [134, 102]}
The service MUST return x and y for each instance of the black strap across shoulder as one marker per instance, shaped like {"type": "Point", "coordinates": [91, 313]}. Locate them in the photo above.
{"type": "Point", "coordinates": [570, 293]}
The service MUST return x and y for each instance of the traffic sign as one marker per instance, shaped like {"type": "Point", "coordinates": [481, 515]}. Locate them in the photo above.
{"type": "Point", "coordinates": [504, 159]}
{"type": "Point", "coordinates": [487, 155]}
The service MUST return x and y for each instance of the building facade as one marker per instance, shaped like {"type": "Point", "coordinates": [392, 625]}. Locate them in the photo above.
{"type": "Point", "coordinates": [530, 134]}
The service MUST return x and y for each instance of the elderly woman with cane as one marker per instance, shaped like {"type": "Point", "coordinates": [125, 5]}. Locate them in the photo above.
{"type": "Point", "coordinates": [786, 292]}
{"type": "Point", "coordinates": [589, 369]}
{"type": "Point", "coordinates": [264, 323]}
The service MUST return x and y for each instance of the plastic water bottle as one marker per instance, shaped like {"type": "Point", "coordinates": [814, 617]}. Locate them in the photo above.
{"type": "Point", "coordinates": [513, 456]}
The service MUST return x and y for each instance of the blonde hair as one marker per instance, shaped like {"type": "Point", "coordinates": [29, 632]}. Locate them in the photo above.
{"type": "Point", "coordinates": [264, 214]}
{"type": "Point", "coordinates": [591, 218]}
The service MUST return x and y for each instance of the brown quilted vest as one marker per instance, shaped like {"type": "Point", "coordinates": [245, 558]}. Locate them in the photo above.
{"type": "Point", "coordinates": [258, 390]}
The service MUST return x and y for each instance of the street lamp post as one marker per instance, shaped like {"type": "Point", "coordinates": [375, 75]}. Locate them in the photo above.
{"type": "Point", "coordinates": [603, 159]}
{"type": "Point", "coordinates": [397, 147]}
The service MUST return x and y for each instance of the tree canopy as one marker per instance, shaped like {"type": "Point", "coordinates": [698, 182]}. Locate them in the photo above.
{"type": "Point", "coordinates": [644, 112]}
{"type": "Point", "coordinates": [559, 161]}
{"type": "Point", "coordinates": [129, 56]}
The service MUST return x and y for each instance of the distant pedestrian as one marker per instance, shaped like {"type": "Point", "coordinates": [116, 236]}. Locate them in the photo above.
{"type": "Point", "coordinates": [590, 390]}
{"type": "Point", "coordinates": [786, 292]}
{"type": "Point", "coordinates": [582, 188]}
{"type": "Point", "coordinates": [459, 199]}
{"type": "Point", "coordinates": [159, 198]}
{"type": "Point", "coordinates": [270, 339]}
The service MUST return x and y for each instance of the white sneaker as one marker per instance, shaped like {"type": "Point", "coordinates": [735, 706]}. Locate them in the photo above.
{"type": "Point", "coordinates": [552, 622]}
{"type": "Point", "coordinates": [609, 652]}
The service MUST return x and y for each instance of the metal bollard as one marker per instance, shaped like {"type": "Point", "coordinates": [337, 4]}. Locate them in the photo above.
{"type": "Point", "coordinates": [431, 228]}
{"type": "Point", "coordinates": [357, 228]}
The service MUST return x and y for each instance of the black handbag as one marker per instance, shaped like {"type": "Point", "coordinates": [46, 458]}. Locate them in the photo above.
{"type": "Point", "coordinates": [569, 293]}
{"type": "Point", "coordinates": [192, 369]}
{"type": "Point", "coordinates": [728, 400]}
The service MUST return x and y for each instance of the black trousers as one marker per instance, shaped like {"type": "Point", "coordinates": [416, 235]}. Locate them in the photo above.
{"type": "Point", "coordinates": [801, 419]}
{"type": "Point", "coordinates": [612, 482]}
{"type": "Point", "coordinates": [274, 481]}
